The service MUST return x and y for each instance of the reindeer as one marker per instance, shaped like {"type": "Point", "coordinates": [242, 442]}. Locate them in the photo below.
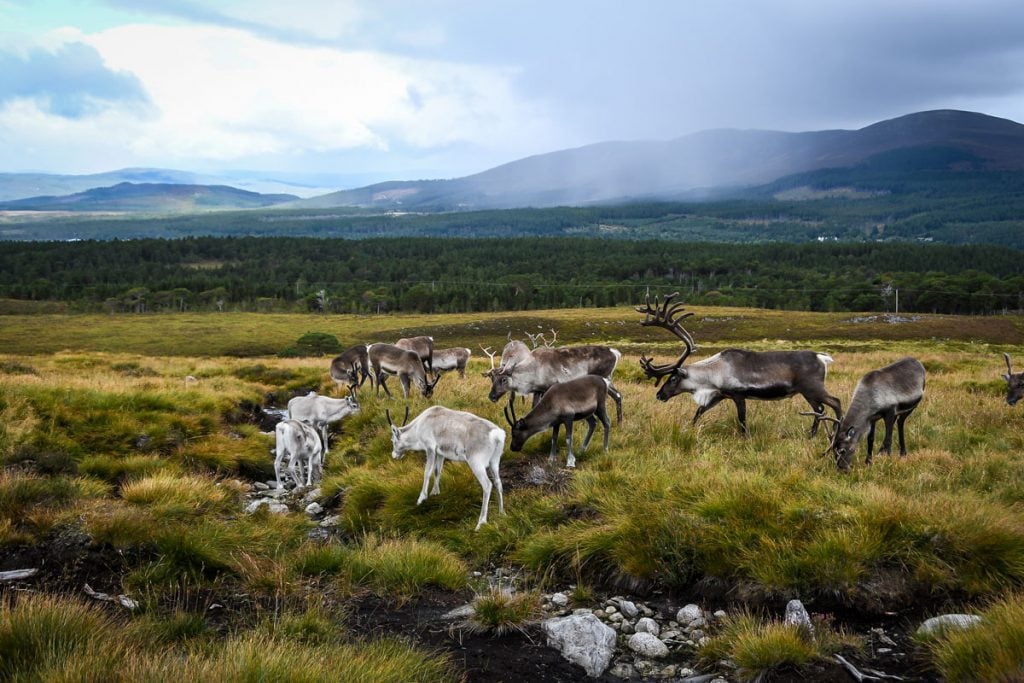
{"type": "Point", "coordinates": [300, 444]}
{"type": "Point", "coordinates": [387, 359]}
{"type": "Point", "coordinates": [424, 348]}
{"type": "Point", "coordinates": [451, 359]}
{"type": "Point", "coordinates": [1014, 383]}
{"type": "Point", "coordinates": [523, 371]}
{"type": "Point", "coordinates": [351, 367]}
{"type": "Point", "coordinates": [321, 411]}
{"type": "Point", "coordinates": [735, 374]}
{"type": "Point", "coordinates": [577, 399]}
{"type": "Point", "coordinates": [453, 435]}
{"type": "Point", "coordinates": [890, 394]}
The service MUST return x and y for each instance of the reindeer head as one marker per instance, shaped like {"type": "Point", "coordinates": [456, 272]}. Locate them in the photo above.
{"type": "Point", "coordinates": [1014, 383]}
{"type": "Point", "coordinates": [669, 317]}
{"type": "Point", "coordinates": [501, 382]}
{"type": "Point", "coordinates": [842, 443]}
{"type": "Point", "coordinates": [428, 386]}
{"type": "Point", "coordinates": [397, 451]}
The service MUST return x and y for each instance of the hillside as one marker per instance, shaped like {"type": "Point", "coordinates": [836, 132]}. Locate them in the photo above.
{"type": "Point", "coordinates": [150, 197]}
{"type": "Point", "coordinates": [712, 163]}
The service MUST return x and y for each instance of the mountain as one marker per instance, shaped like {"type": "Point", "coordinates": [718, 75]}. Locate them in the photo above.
{"type": "Point", "coordinates": [711, 163]}
{"type": "Point", "coordinates": [150, 197]}
{"type": "Point", "coordinates": [26, 185]}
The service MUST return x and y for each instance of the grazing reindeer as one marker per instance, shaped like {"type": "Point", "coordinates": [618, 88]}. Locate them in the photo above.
{"type": "Point", "coordinates": [387, 359]}
{"type": "Point", "coordinates": [351, 367]}
{"type": "Point", "coordinates": [582, 398]}
{"type": "Point", "coordinates": [453, 435]}
{"type": "Point", "coordinates": [1014, 383]}
{"type": "Point", "coordinates": [889, 394]}
{"type": "Point", "coordinates": [424, 348]}
{"type": "Point", "coordinates": [451, 359]}
{"type": "Point", "coordinates": [523, 371]}
{"type": "Point", "coordinates": [736, 374]}
{"type": "Point", "coordinates": [321, 411]}
{"type": "Point", "coordinates": [300, 444]}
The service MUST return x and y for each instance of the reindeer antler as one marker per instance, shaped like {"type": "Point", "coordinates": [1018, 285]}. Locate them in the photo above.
{"type": "Point", "coordinates": [490, 355]}
{"type": "Point", "coordinates": [554, 337]}
{"type": "Point", "coordinates": [822, 417]}
{"type": "Point", "coordinates": [534, 337]}
{"type": "Point", "coordinates": [668, 316]}
{"type": "Point", "coordinates": [1009, 369]}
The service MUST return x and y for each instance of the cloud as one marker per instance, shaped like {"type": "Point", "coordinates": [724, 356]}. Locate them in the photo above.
{"type": "Point", "coordinates": [71, 82]}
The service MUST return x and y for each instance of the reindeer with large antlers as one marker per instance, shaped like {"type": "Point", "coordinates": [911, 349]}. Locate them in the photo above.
{"type": "Point", "coordinates": [734, 374]}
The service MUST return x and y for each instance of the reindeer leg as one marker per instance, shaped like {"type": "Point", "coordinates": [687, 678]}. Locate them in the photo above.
{"type": "Point", "coordinates": [495, 464]}
{"type": "Point", "coordinates": [889, 418]}
{"type": "Point", "coordinates": [591, 426]}
{"type": "Point", "coordinates": [438, 465]}
{"type": "Point", "coordinates": [404, 381]}
{"type": "Point", "coordinates": [277, 465]}
{"type": "Point", "coordinates": [606, 422]}
{"type": "Point", "coordinates": [705, 408]}
{"type": "Point", "coordinates": [871, 442]}
{"type": "Point", "coordinates": [382, 381]}
{"type": "Point", "coordinates": [428, 469]}
{"type": "Point", "coordinates": [554, 440]}
{"type": "Point", "coordinates": [571, 460]}
{"type": "Point", "coordinates": [480, 472]}
{"type": "Point", "coordinates": [741, 414]}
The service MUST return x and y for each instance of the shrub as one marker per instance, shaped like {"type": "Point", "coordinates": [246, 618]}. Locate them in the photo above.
{"type": "Point", "coordinates": [313, 344]}
{"type": "Point", "coordinates": [501, 610]}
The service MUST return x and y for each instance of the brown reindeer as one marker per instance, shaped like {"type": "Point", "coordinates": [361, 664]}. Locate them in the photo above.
{"type": "Point", "coordinates": [424, 348]}
{"type": "Point", "coordinates": [388, 359]}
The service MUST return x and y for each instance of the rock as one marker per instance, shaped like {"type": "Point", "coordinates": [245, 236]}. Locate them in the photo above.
{"type": "Point", "coordinates": [937, 625]}
{"type": "Point", "coordinates": [312, 496]}
{"type": "Point", "coordinates": [669, 635]}
{"type": "Point", "coordinates": [560, 599]}
{"type": "Point", "coordinates": [18, 574]}
{"type": "Point", "coordinates": [463, 612]}
{"type": "Point", "coordinates": [256, 505]}
{"type": "Point", "coordinates": [647, 645]}
{"type": "Point", "coordinates": [278, 508]}
{"type": "Point", "coordinates": [668, 672]}
{"type": "Point", "coordinates": [623, 670]}
{"type": "Point", "coordinates": [580, 611]}
{"type": "Point", "coordinates": [314, 509]}
{"type": "Point", "coordinates": [688, 614]}
{"type": "Point", "coordinates": [329, 521]}
{"type": "Point", "coordinates": [582, 639]}
{"type": "Point", "coordinates": [628, 609]}
{"type": "Point", "coordinates": [696, 634]}
{"type": "Point", "coordinates": [797, 616]}
{"type": "Point", "coordinates": [611, 609]}
{"type": "Point", "coordinates": [700, 678]}
{"type": "Point", "coordinates": [627, 628]}
{"type": "Point", "coordinates": [616, 617]}
{"type": "Point", "coordinates": [260, 486]}
{"type": "Point", "coordinates": [647, 625]}
{"type": "Point", "coordinates": [537, 476]}
{"type": "Point", "coordinates": [699, 622]}
{"type": "Point", "coordinates": [720, 614]}
{"type": "Point", "coordinates": [645, 610]}
{"type": "Point", "coordinates": [319, 534]}
{"type": "Point", "coordinates": [645, 667]}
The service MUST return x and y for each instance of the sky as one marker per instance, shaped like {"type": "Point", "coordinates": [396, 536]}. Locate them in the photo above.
{"type": "Point", "coordinates": [346, 92]}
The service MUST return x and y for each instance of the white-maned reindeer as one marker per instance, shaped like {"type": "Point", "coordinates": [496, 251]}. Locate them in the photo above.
{"type": "Point", "coordinates": [445, 434]}
{"type": "Point", "coordinates": [321, 411]}
{"type": "Point", "coordinates": [451, 359]}
{"type": "Point", "coordinates": [300, 444]}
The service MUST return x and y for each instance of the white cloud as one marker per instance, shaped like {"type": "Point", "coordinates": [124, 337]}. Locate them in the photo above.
{"type": "Point", "coordinates": [220, 94]}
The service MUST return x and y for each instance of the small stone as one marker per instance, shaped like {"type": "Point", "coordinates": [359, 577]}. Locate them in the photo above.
{"type": "Point", "coordinates": [688, 614]}
{"type": "Point", "coordinates": [583, 640]}
{"type": "Point", "coordinates": [560, 599]}
{"type": "Point", "coordinates": [959, 622]}
{"type": "Point", "coordinates": [318, 534]}
{"type": "Point", "coordinates": [645, 610]}
{"type": "Point", "coordinates": [647, 645]}
{"type": "Point", "coordinates": [616, 617]}
{"type": "Point", "coordinates": [720, 614]}
{"type": "Point", "coordinates": [580, 611]}
{"type": "Point", "coordinates": [314, 509]}
{"type": "Point", "coordinates": [644, 667]}
{"type": "Point", "coordinates": [312, 496]}
{"type": "Point", "coordinates": [623, 670]}
{"type": "Point", "coordinates": [669, 635]}
{"type": "Point", "coordinates": [260, 486]}
{"type": "Point", "coordinates": [463, 612]}
{"type": "Point", "coordinates": [627, 628]}
{"type": "Point", "coordinates": [477, 575]}
{"type": "Point", "coordinates": [647, 625]}
{"type": "Point", "coordinates": [796, 615]}
{"type": "Point", "coordinates": [610, 609]}
{"type": "Point", "coordinates": [256, 505]}
{"type": "Point", "coordinates": [668, 672]}
{"type": "Point", "coordinates": [329, 521]}
{"type": "Point", "coordinates": [629, 609]}
{"type": "Point", "coordinates": [703, 641]}
{"type": "Point", "coordinates": [699, 622]}
{"type": "Point", "coordinates": [278, 508]}
{"type": "Point", "coordinates": [696, 634]}
{"type": "Point", "coordinates": [884, 650]}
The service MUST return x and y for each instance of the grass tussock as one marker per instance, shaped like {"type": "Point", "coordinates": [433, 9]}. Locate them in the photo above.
{"type": "Point", "coordinates": [181, 496]}
{"type": "Point", "coordinates": [501, 610]}
{"type": "Point", "coordinates": [759, 646]}
{"type": "Point", "coordinates": [990, 651]}
{"type": "Point", "coordinates": [403, 568]}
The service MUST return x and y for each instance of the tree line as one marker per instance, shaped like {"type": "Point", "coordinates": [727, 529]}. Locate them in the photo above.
{"type": "Point", "coordinates": [465, 275]}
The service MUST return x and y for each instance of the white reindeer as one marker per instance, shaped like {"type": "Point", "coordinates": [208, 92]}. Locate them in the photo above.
{"type": "Point", "coordinates": [301, 445]}
{"type": "Point", "coordinates": [321, 411]}
{"type": "Point", "coordinates": [453, 435]}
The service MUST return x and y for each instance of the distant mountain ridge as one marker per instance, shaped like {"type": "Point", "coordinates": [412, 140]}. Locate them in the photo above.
{"type": "Point", "coordinates": [707, 163]}
{"type": "Point", "coordinates": [150, 197]}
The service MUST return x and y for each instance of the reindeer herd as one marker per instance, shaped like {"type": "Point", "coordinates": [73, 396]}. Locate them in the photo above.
{"type": "Point", "coordinates": [572, 383]}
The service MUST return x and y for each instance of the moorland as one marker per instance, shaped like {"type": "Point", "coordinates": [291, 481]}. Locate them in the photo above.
{"type": "Point", "coordinates": [120, 473]}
